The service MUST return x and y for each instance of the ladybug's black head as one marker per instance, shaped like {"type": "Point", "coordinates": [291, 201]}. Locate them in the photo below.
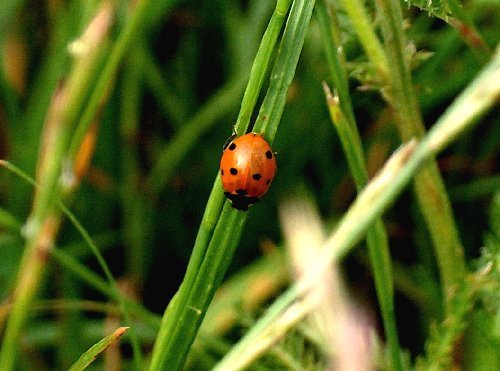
{"type": "Point", "coordinates": [240, 201]}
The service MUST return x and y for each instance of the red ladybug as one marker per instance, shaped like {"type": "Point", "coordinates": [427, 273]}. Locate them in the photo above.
{"type": "Point", "coordinates": [247, 168]}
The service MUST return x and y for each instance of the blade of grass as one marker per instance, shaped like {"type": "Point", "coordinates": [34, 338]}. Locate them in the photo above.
{"type": "Point", "coordinates": [106, 77]}
{"type": "Point", "coordinates": [216, 199]}
{"type": "Point", "coordinates": [90, 355]}
{"type": "Point", "coordinates": [343, 119]}
{"type": "Point", "coordinates": [182, 325]}
{"type": "Point", "coordinates": [136, 226]}
{"type": "Point", "coordinates": [102, 262]}
{"type": "Point", "coordinates": [429, 187]}
{"type": "Point", "coordinates": [358, 15]}
{"type": "Point", "coordinates": [220, 103]}
{"type": "Point", "coordinates": [24, 135]}
{"type": "Point", "coordinates": [284, 69]}
{"type": "Point", "coordinates": [44, 221]}
{"type": "Point", "coordinates": [99, 284]}
{"type": "Point", "coordinates": [211, 272]}
{"type": "Point", "coordinates": [261, 65]}
{"type": "Point", "coordinates": [480, 95]}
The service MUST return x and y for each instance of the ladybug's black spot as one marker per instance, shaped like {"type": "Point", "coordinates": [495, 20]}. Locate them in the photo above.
{"type": "Point", "coordinates": [233, 171]}
{"type": "Point", "coordinates": [256, 176]}
{"type": "Point", "coordinates": [268, 181]}
{"type": "Point", "coordinates": [269, 155]}
{"type": "Point", "coordinates": [232, 146]}
{"type": "Point", "coordinates": [222, 172]}
{"type": "Point", "coordinates": [241, 192]}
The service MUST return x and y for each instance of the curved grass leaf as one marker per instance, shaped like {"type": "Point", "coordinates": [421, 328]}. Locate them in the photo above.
{"type": "Point", "coordinates": [90, 355]}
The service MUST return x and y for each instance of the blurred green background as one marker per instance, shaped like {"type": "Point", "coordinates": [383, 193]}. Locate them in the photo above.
{"type": "Point", "coordinates": [159, 138]}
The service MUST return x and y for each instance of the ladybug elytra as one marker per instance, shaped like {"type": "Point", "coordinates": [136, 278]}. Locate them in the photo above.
{"type": "Point", "coordinates": [247, 168]}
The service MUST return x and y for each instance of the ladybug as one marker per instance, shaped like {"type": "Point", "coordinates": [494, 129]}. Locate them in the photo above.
{"type": "Point", "coordinates": [247, 168]}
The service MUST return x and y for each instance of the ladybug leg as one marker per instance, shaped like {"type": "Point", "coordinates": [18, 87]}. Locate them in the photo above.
{"type": "Point", "coordinates": [229, 140]}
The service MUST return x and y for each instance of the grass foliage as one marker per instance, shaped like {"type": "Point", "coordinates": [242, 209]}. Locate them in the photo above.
{"type": "Point", "coordinates": [112, 216]}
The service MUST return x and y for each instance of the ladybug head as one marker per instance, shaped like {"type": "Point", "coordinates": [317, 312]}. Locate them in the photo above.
{"type": "Point", "coordinates": [240, 201]}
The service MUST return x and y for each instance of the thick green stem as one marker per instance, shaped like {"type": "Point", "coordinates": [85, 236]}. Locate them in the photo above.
{"type": "Point", "coordinates": [132, 29]}
{"type": "Point", "coordinates": [342, 116]}
{"type": "Point", "coordinates": [215, 203]}
{"type": "Point", "coordinates": [367, 36]}
{"type": "Point", "coordinates": [43, 223]}
{"type": "Point", "coordinates": [207, 267]}
{"type": "Point", "coordinates": [429, 186]}
{"type": "Point", "coordinates": [31, 272]}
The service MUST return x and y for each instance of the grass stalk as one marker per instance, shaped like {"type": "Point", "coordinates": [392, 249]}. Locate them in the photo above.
{"type": "Point", "coordinates": [37, 265]}
{"type": "Point", "coordinates": [136, 227]}
{"type": "Point", "coordinates": [30, 273]}
{"type": "Point", "coordinates": [480, 95]}
{"type": "Point", "coordinates": [428, 185]}
{"type": "Point", "coordinates": [90, 355]}
{"type": "Point", "coordinates": [342, 116]}
{"type": "Point", "coordinates": [261, 64]}
{"type": "Point", "coordinates": [126, 38]}
{"type": "Point", "coordinates": [180, 325]}
{"type": "Point", "coordinates": [44, 221]}
{"type": "Point", "coordinates": [358, 15]}
{"type": "Point", "coordinates": [283, 70]}
{"type": "Point", "coordinates": [27, 132]}
{"type": "Point", "coordinates": [216, 199]}
{"type": "Point", "coordinates": [220, 104]}
{"type": "Point", "coordinates": [85, 274]}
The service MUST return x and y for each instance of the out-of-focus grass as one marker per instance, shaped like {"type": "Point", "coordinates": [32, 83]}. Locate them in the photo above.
{"type": "Point", "coordinates": [162, 118]}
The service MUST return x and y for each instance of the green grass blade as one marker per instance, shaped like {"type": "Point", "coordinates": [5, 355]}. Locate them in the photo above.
{"type": "Point", "coordinates": [381, 192]}
{"type": "Point", "coordinates": [198, 295]}
{"type": "Point", "coordinates": [44, 220]}
{"type": "Point", "coordinates": [129, 34]}
{"type": "Point", "coordinates": [36, 268]}
{"type": "Point", "coordinates": [429, 187]}
{"type": "Point", "coordinates": [284, 69]}
{"type": "Point", "coordinates": [343, 118]}
{"type": "Point", "coordinates": [90, 355]}
{"type": "Point", "coordinates": [261, 65]}
{"type": "Point", "coordinates": [216, 199]}
{"type": "Point", "coordinates": [358, 15]}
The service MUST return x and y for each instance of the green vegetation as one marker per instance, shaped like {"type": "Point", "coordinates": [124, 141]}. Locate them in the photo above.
{"type": "Point", "coordinates": [377, 244]}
